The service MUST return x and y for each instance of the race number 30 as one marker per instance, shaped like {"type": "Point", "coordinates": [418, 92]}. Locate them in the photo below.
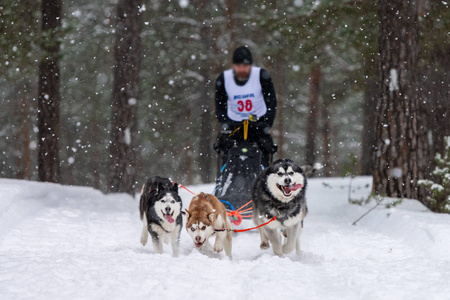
{"type": "Point", "coordinates": [247, 106]}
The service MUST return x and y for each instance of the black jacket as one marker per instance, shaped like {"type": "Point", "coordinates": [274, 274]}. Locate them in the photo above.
{"type": "Point", "coordinates": [268, 92]}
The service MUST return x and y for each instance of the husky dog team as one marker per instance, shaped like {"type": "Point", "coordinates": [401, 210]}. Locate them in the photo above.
{"type": "Point", "coordinates": [246, 106]}
{"type": "Point", "coordinates": [279, 191]}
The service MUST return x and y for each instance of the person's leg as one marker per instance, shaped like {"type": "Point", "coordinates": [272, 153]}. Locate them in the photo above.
{"type": "Point", "coordinates": [265, 143]}
{"type": "Point", "coordinates": [265, 159]}
{"type": "Point", "coordinates": [221, 146]}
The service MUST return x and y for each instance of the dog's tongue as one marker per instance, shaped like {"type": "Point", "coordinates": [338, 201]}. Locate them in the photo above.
{"type": "Point", "coordinates": [169, 218]}
{"type": "Point", "coordinates": [293, 187]}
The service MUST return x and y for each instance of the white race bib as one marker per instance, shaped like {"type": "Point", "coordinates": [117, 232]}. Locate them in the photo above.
{"type": "Point", "coordinates": [245, 100]}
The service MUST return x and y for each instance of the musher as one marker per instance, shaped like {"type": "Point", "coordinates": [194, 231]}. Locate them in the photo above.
{"type": "Point", "coordinates": [245, 92]}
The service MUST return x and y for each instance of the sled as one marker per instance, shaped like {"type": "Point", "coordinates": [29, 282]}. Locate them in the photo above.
{"type": "Point", "coordinates": [236, 177]}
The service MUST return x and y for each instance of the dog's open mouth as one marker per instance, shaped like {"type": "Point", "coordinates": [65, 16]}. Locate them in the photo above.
{"type": "Point", "coordinates": [198, 245]}
{"type": "Point", "coordinates": [168, 217]}
{"type": "Point", "coordinates": [287, 189]}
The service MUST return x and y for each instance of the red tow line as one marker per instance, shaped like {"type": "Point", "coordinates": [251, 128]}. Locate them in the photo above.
{"type": "Point", "coordinates": [248, 229]}
{"type": "Point", "coordinates": [183, 187]}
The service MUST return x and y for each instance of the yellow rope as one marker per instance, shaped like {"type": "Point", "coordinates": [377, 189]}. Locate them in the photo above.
{"type": "Point", "coordinates": [234, 131]}
{"type": "Point", "coordinates": [245, 122]}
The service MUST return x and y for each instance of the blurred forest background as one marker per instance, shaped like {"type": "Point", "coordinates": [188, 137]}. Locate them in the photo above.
{"type": "Point", "coordinates": [322, 56]}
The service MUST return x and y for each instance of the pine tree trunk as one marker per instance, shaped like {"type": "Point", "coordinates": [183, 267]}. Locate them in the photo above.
{"type": "Point", "coordinates": [368, 132]}
{"type": "Point", "coordinates": [188, 161]}
{"type": "Point", "coordinates": [231, 26]}
{"type": "Point", "coordinates": [96, 155]}
{"type": "Point", "coordinates": [17, 138]}
{"type": "Point", "coordinates": [205, 145]}
{"type": "Point", "coordinates": [189, 172]}
{"type": "Point", "coordinates": [126, 88]}
{"type": "Point", "coordinates": [26, 153]}
{"type": "Point", "coordinates": [280, 127]}
{"type": "Point", "coordinates": [398, 150]}
{"type": "Point", "coordinates": [326, 140]}
{"type": "Point", "coordinates": [279, 88]}
{"type": "Point", "coordinates": [311, 123]}
{"type": "Point", "coordinates": [48, 93]}
{"type": "Point", "coordinates": [435, 81]}
{"type": "Point", "coordinates": [205, 106]}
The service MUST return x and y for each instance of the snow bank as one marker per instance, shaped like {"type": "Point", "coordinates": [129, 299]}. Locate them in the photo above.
{"type": "Point", "coordinates": [72, 242]}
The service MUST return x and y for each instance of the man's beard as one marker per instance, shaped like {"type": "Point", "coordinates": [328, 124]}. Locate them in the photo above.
{"type": "Point", "coordinates": [243, 76]}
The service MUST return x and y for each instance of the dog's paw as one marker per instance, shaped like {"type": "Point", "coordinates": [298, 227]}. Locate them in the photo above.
{"type": "Point", "coordinates": [144, 239]}
{"type": "Point", "coordinates": [218, 248]}
{"type": "Point", "coordinates": [287, 248]}
{"type": "Point", "coordinates": [264, 245]}
{"type": "Point", "coordinates": [277, 251]}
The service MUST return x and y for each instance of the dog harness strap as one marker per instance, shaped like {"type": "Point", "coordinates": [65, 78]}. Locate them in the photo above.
{"type": "Point", "coordinates": [183, 187]}
{"type": "Point", "coordinates": [248, 229]}
{"type": "Point", "coordinates": [280, 205]}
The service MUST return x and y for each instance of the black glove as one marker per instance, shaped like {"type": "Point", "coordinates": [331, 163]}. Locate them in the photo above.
{"type": "Point", "coordinates": [267, 145]}
{"type": "Point", "coordinates": [223, 143]}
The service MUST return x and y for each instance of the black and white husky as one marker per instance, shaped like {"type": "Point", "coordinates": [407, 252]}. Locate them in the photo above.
{"type": "Point", "coordinates": [160, 210]}
{"type": "Point", "coordinates": [279, 191]}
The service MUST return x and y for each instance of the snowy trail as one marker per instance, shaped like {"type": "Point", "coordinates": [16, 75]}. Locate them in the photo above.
{"type": "Point", "coordinates": [61, 242]}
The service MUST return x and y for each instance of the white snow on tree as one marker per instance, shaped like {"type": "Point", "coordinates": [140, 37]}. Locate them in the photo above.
{"type": "Point", "coordinates": [439, 190]}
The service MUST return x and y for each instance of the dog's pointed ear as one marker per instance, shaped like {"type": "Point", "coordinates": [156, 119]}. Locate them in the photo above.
{"type": "Point", "coordinates": [160, 187]}
{"type": "Point", "coordinates": [153, 188]}
{"type": "Point", "coordinates": [310, 170]}
{"type": "Point", "coordinates": [174, 187]}
{"type": "Point", "coordinates": [187, 213]}
{"type": "Point", "coordinates": [212, 217]}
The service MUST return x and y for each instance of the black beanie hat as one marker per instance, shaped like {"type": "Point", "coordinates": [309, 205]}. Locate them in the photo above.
{"type": "Point", "coordinates": [242, 55]}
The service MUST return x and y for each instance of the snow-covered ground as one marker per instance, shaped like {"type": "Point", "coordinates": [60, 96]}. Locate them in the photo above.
{"type": "Point", "coordinates": [59, 242]}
